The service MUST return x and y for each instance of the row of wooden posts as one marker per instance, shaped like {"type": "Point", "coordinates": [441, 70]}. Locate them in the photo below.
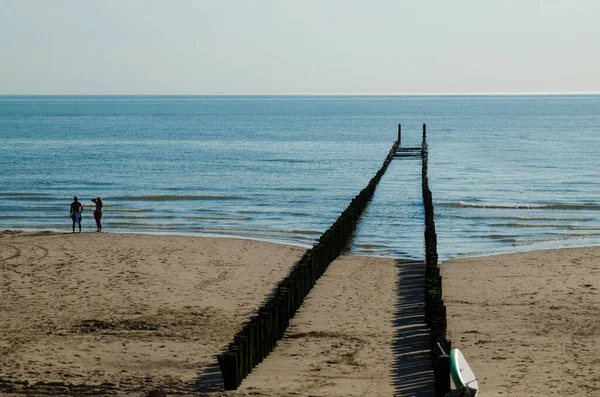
{"type": "Point", "coordinates": [435, 310]}
{"type": "Point", "coordinates": [259, 335]}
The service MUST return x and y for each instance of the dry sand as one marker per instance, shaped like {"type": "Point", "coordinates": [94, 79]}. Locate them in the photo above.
{"type": "Point", "coordinates": [340, 341]}
{"type": "Point", "coordinates": [122, 314]}
{"type": "Point", "coordinates": [125, 313]}
{"type": "Point", "coordinates": [528, 323]}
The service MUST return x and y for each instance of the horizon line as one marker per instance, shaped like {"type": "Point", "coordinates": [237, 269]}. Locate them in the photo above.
{"type": "Point", "coordinates": [577, 93]}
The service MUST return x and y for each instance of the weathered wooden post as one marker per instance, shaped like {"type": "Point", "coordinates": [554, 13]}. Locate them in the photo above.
{"type": "Point", "coordinates": [440, 363]}
{"type": "Point", "coordinates": [244, 362]}
{"type": "Point", "coordinates": [399, 133]}
{"type": "Point", "coordinates": [233, 348]}
{"type": "Point", "coordinates": [265, 331]}
{"type": "Point", "coordinates": [252, 332]}
{"type": "Point", "coordinates": [229, 369]}
{"type": "Point", "coordinates": [424, 134]}
{"type": "Point", "coordinates": [441, 373]}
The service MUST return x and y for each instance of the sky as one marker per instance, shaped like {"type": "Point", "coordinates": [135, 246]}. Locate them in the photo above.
{"type": "Point", "coordinates": [223, 47]}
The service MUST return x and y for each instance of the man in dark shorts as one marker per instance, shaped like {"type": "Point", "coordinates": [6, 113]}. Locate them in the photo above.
{"type": "Point", "coordinates": [75, 213]}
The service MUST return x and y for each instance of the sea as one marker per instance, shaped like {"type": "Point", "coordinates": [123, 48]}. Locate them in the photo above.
{"type": "Point", "coordinates": [507, 173]}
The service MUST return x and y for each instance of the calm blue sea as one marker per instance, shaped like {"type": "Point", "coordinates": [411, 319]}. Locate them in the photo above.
{"type": "Point", "coordinates": [508, 173]}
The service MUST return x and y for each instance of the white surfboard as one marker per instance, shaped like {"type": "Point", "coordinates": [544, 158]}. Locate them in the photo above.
{"type": "Point", "coordinates": [462, 375]}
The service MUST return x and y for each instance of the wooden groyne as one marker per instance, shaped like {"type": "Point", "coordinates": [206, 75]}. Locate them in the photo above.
{"type": "Point", "coordinates": [435, 310]}
{"type": "Point", "coordinates": [259, 335]}
{"type": "Point", "coordinates": [261, 332]}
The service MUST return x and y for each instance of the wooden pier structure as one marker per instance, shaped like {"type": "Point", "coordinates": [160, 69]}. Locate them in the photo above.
{"type": "Point", "coordinates": [421, 367]}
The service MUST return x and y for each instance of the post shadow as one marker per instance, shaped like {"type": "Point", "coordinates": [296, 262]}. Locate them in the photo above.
{"type": "Point", "coordinates": [210, 380]}
{"type": "Point", "coordinates": [411, 372]}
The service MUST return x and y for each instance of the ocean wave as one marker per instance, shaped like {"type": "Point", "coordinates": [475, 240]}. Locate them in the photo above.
{"type": "Point", "coordinates": [293, 189]}
{"type": "Point", "coordinates": [503, 237]}
{"type": "Point", "coordinates": [462, 204]}
{"type": "Point", "coordinates": [144, 225]}
{"type": "Point", "coordinates": [219, 218]}
{"type": "Point", "coordinates": [518, 218]}
{"type": "Point", "coordinates": [40, 208]}
{"type": "Point", "coordinates": [23, 197]}
{"type": "Point", "coordinates": [168, 197]}
{"type": "Point", "coordinates": [529, 242]}
{"type": "Point", "coordinates": [22, 194]}
{"type": "Point", "coordinates": [287, 161]}
{"type": "Point", "coordinates": [536, 225]}
{"type": "Point", "coordinates": [369, 247]}
{"type": "Point", "coordinates": [144, 217]}
{"type": "Point", "coordinates": [34, 216]}
{"type": "Point", "coordinates": [584, 228]}
{"type": "Point", "coordinates": [302, 238]}
{"type": "Point", "coordinates": [256, 230]}
{"type": "Point", "coordinates": [293, 213]}
{"type": "Point", "coordinates": [547, 225]}
{"type": "Point", "coordinates": [117, 210]}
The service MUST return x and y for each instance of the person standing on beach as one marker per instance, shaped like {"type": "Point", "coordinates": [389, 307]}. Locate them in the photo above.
{"type": "Point", "coordinates": [75, 213]}
{"type": "Point", "coordinates": [98, 213]}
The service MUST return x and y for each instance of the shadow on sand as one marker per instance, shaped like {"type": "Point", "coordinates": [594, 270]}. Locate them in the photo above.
{"type": "Point", "coordinates": [412, 373]}
{"type": "Point", "coordinates": [210, 380]}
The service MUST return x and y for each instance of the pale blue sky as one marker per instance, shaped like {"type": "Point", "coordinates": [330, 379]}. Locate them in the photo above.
{"type": "Point", "coordinates": [299, 47]}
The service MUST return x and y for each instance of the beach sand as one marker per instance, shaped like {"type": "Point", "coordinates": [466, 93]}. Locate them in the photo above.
{"type": "Point", "coordinates": [340, 341]}
{"type": "Point", "coordinates": [528, 323]}
{"type": "Point", "coordinates": [123, 314]}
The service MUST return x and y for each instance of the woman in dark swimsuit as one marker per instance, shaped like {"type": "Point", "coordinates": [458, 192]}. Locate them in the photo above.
{"type": "Point", "coordinates": [98, 213]}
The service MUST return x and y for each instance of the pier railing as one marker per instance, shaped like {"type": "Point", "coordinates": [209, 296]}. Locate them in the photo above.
{"type": "Point", "coordinates": [260, 333]}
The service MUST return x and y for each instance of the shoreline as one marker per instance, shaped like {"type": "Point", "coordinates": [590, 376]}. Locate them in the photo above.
{"type": "Point", "coordinates": [67, 230]}
{"type": "Point", "coordinates": [294, 243]}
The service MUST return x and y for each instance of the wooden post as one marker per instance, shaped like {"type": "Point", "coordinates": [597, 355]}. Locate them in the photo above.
{"type": "Point", "coordinates": [235, 349]}
{"type": "Point", "coordinates": [441, 373]}
{"type": "Point", "coordinates": [229, 369]}
{"type": "Point", "coordinates": [244, 356]}
{"type": "Point", "coordinates": [264, 334]}
{"type": "Point", "coordinates": [251, 333]}
{"type": "Point", "coordinates": [424, 134]}
{"type": "Point", "coordinates": [399, 133]}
